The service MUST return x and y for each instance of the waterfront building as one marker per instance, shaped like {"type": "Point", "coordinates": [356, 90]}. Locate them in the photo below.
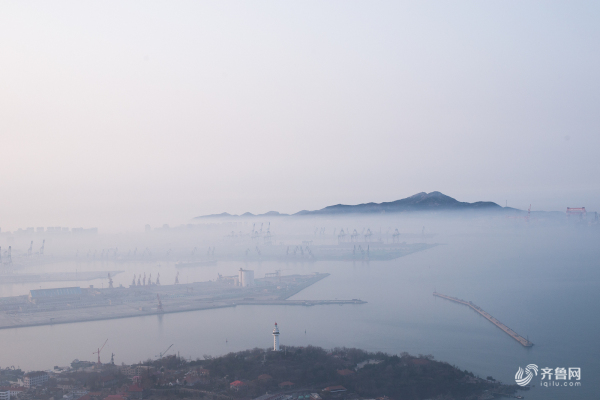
{"type": "Point", "coordinates": [335, 389]}
{"type": "Point", "coordinates": [35, 378]}
{"type": "Point", "coordinates": [58, 295]}
{"type": "Point", "coordinates": [237, 385]}
{"type": "Point", "coordinates": [15, 391]}
{"type": "Point", "coordinates": [286, 385]}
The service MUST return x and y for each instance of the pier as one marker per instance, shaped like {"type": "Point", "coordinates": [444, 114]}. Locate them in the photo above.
{"type": "Point", "coordinates": [487, 316]}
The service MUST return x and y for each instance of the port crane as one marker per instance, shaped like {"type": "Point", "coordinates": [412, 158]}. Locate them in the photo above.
{"type": "Point", "coordinates": [160, 306]}
{"type": "Point", "coordinates": [396, 236]}
{"type": "Point", "coordinates": [161, 355]}
{"type": "Point", "coordinates": [267, 237]}
{"type": "Point", "coordinates": [341, 236]}
{"type": "Point", "coordinates": [99, 350]}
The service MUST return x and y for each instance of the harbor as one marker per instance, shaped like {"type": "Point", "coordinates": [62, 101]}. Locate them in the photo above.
{"type": "Point", "coordinates": [76, 304]}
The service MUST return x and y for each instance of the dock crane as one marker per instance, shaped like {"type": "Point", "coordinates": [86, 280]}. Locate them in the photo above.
{"type": "Point", "coordinates": [110, 281]}
{"type": "Point", "coordinates": [160, 306]}
{"type": "Point", "coordinates": [161, 355]}
{"type": "Point", "coordinates": [42, 248]}
{"type": "Point", "coordinates": [341, 236]}
{"type": "Point", "coordinates": [99, 350]}
{"type": "Point", "coordinates": [30, 249]}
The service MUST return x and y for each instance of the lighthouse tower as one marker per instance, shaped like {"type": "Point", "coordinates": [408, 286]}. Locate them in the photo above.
{"type": "Point", "coordinates": [276, 338]}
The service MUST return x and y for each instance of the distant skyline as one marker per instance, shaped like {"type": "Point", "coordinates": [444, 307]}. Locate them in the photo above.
{"type": "Point", "coordinates": [118, 114]}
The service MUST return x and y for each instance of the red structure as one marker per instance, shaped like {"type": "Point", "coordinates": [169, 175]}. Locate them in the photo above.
{"type": "Point", "coordinates": [98, 352]}
{"type": "Point", "coordinates": [576, 211]}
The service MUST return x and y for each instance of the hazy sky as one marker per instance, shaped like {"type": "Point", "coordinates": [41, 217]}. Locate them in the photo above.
{"type": "Point", "coordinates": [117, 114]}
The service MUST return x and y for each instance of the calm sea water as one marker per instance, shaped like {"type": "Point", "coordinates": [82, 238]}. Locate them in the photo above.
{"type": "Point", "coordinates": [544, 285]}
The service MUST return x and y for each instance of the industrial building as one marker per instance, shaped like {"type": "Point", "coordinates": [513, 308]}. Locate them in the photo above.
{"type": "Point", "coordinates": [245, 278]}
{"type": "Point", "coordinates": [54, 295]}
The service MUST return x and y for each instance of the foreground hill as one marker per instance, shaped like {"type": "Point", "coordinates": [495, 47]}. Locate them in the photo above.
{"type": "Point", "coordinates": [299, 371]}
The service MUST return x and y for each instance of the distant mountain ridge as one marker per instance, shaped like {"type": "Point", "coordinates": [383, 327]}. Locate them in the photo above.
{"type": "Point", "coordinates": [246, 214]}
{"type": "Point", "coordinates": [434, 201]}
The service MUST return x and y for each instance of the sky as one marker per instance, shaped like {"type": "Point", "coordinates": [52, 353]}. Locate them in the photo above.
{"type": "Point", "coordinates": [116, 114]}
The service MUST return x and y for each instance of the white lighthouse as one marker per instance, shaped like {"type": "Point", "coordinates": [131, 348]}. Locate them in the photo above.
{"type": "Point", "coordinates": [276, 338]}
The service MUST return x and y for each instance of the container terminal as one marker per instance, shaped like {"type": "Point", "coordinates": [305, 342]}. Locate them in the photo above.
{"type": "Point", "coordinates": [76, 304]}
{"type": "Point", "coordinates": [308, 252]}
{"type": "Point", "coordinates": [487, 316]}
